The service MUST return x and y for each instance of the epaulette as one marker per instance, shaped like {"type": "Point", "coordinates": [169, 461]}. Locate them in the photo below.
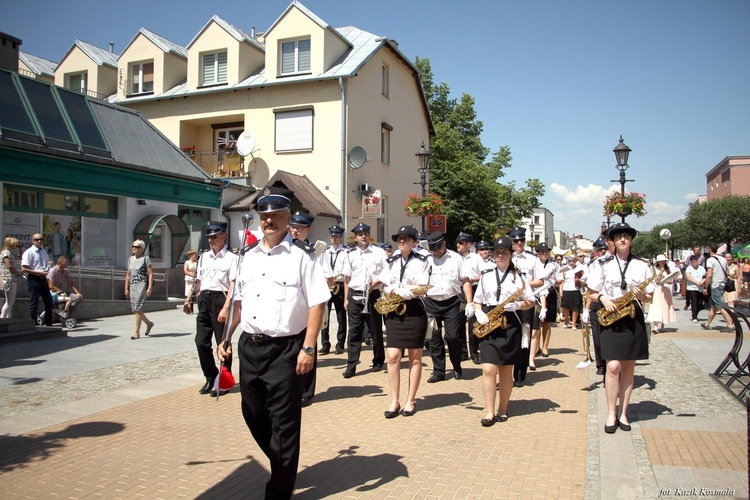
{"type": "Point", "coordinates": [329, 246]}
{"type": "Point", "coordinates": [304, 246]}
{"type": "Point", "coordinates": [249, 247]}
{"type": "Point", "coordinates": [351, 249]}
{"type": "Point", "coordinates": [530, 253]}
{"type": "Point", "coordinates": [606, 259]}
{"type": "Point", "coordinates": [488, 270]}
{"type": "Point", "coordinates": [420, 256]}
{"type": "Point", "coordinates": [233, 250]}
{"type": "Point", "coordinates": [392, 258]}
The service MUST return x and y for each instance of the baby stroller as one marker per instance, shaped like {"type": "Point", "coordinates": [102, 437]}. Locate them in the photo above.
{"type": "Point", "coordinates": [58, 312]}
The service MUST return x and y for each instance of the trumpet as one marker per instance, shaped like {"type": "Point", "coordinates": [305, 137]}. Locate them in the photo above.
{"type": "Point", "coordinates": [336, 287]}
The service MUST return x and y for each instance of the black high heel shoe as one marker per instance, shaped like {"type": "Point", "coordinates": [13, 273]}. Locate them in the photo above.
{"type": "Point", "coordinates": [392, 414]}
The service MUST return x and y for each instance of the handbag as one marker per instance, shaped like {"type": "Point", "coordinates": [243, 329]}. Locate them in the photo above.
{"type": "Point", "coordinates": [5, 278]}
{"type": "Point", "coordinates": [729, 285]}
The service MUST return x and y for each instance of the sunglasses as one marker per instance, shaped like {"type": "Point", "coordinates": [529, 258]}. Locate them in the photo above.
{"type": "Point", "coordinates": [212, 237]}
{"type": "Point", "coordinates": [618, 236]}
{"type": "Point", "coordinates": [37, 239]}
{"type": "Point", "coordinates": [136, 246]}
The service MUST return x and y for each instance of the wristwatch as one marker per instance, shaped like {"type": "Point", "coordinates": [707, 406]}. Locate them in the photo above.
{"type": "Point", "coordinates": [309, 350]}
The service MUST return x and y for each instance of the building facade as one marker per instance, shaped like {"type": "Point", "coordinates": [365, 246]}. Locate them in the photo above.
{"type": "Point", "coordinates": [730, 177]}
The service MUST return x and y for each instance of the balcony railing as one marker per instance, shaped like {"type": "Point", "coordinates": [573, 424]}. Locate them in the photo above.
{"type": "Point", "coordinates": [218, 164]}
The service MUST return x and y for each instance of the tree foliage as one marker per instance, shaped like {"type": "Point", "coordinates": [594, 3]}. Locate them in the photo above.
{"type": "Point", "coordinates": [465, 173]}
{"type": "Point", "coordinates": [724, 220]}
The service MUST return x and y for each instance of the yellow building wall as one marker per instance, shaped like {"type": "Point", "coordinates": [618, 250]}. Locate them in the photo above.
{"type": "Point", "coordinates": [213, 39]}
{"type": "Point", "coordinates": [101, 79]}
{"type": "Point", "coordinates": [23, 67]}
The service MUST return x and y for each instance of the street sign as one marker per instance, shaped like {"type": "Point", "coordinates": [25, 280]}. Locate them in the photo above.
{"type": "Point", "coordinates": [436, 223]}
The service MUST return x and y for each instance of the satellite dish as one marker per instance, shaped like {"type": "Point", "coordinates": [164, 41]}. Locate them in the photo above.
{"type": "Point", "coordinates": [357, 157]}
{"type": "Point", "coordinates": [246, 143]}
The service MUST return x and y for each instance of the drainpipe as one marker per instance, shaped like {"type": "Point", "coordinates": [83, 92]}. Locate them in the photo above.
{"type": "Point", "coordinates": [343, 154]}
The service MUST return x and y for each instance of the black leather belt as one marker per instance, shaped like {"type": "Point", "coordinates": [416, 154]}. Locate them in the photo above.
{"type": "Point", "coordinates": [263, 339]}
{"type": "Point", "coordinates": [356, 292]}
{"type": "Point", "coordinates": [213, 292]}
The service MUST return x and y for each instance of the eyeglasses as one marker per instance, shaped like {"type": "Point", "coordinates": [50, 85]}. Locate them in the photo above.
{"type": "Point", "coordinates": [37, 239]}
{"type": "Point", "coordinates": [136, 246]}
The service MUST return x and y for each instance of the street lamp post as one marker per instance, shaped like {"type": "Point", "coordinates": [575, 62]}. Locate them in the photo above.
{"type": "Point", "coordinates": [621, 155]}
{"type": "Point", "coordinates": [423, 162]}
{"type": "Point", "coordinates": [503, 212]}
{"type": "Point", "coordinates": [531, 230]}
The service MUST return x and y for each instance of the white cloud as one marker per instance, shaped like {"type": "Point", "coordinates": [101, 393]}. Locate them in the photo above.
{"type": "Point", "coordinates": [691, 197]}
{"type": "Point", "coordinates": [664, 208]}
{"type": "Point", "coordinates": [581, 195]}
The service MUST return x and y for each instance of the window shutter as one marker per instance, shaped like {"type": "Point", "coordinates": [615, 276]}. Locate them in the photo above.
{"type": "Point", "coordinates": [287, 57]}
{"type": "Point", "coordinates": [208, 68]}
{"type": "Point", "coordinates": [222, 68]}
{"type": "Point", "coordinates": [294, 130]}
{"type": "Point", "coordinates": [304, 55]}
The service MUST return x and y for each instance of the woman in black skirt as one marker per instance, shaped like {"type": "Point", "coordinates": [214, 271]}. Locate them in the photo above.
{"type": "Point", "coordinates": [624, 341]}
{"type": "Point", "coordinates": [501, 348]}
{"type": "Point", "coordinates": [545, 271]}
{"type": "Point", "coordinates": [405, 270]}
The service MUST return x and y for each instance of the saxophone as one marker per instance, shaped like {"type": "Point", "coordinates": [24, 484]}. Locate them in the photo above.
{"type": "Point", "coordinates": [496, 316]}
{"type": "Point", "coordinates": [334, 289]}
{"type": "Point", "coordinates": [623, 305]}
{"type": "Point", "coordinates": [393, 302]}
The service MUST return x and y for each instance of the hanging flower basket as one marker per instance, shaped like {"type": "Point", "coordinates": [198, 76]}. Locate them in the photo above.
{"type": "Point", "coordinates": [421, 206]}
{"type": "Point", "coordinates": [624, 205]}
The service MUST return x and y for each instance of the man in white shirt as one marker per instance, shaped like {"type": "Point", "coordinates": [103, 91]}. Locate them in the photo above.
{"type": "Point", "coordinates": [716, 275]}
{"type": "Point", "coordinates": [335, 255]}
{"type": "Point", "coordinates": [525, 262]}
{"type": "Point", "coordinates": [473, 264]}
{"type": "Point", "coordinates": [35, 264]}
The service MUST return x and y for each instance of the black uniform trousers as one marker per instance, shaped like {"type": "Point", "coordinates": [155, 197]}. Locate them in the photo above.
{"type": "Point", "coordinates": [520, 368]}
{"type": "Point", "coordinates": [39, 287]}
{"type": "Point", "coordinates": [446, 312]}
{"type": "Point", "coordinates": [207, 325]}
{"type": "Point", "coordinates": [272, 405]}
{"type": "Point", "coordinates": [337, 302]}
{"type": "Point", "coordinates": [357, 324]}
{"type": "Point", "coordinates": [309, 378]}
{"type": "Point", "coordinates": [596, 330]}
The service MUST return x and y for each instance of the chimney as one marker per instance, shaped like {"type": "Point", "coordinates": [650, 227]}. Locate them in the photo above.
{"type": "Point", "coordinates": [252, 32]}
{"type": "Point", "coordinates": [111, 47]}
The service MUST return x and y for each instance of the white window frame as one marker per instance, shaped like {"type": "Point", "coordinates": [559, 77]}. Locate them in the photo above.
{"type": "Point", "coordinates": [293, 130]}
{"type": "Point", "coordinates": [84, 81]}
{"type": "Point", "coordinates": [302, 65]}
{"type": "Point", "coordinates": [385, 143]}
{"type": "Point", "coordinates": [385, 84]}
{"type": "Point", "coordinates": [136, 78]}
{"type": "Point", "coordinates": [215, 61]}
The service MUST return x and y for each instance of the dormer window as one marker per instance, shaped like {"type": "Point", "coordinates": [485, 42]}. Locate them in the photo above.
{"type": "Point", "coordinates": [214, 68]}
{"type": "Point", "coordinates": [295, 56]}
{"type": "Point", "coordinates": [76, 81]}
{"type": "Point", "coordinates": [142, 78]}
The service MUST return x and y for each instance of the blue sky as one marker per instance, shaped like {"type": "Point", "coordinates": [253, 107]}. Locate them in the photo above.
{"type": "Point", "coordinates": [557, 81]}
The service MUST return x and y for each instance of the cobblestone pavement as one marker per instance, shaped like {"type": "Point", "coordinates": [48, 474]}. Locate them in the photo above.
{"type": "Point", "coordinates": [122, 419]}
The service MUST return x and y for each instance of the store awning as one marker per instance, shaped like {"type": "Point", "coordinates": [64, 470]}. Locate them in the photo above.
{"type": "Point", "coordinates": [178, 230]}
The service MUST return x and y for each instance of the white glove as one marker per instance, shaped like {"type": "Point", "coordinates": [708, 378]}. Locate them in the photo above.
{"type": "Point", "coordinates": [525, 336]}
{"type": "Point", "coordinates": [585, 316]}
{"type": "Point", "coordinates": [390, 288]}
{"type": "Point", "coordinates": [543, 313]}
{"type": "Point", "coordinates": [404, 293]}
{"type": "Point", "coordinates": [469, 311]}
{"type": "Point", "coordinates": [482, 318]}
{"type": "Point", "coordinates": [513, 306]}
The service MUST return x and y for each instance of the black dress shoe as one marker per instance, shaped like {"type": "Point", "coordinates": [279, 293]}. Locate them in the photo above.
{"type": "Point", "coordinates": [323, 351]}
{"type": "Point", "coordinates": [532, 368]}
{"type": "Point", "coordinates": [488, 422]}
{"type": "Point", "coordinates": [408, 413]}
{"type": "Point", "coordinates": [623, 427]}
{"type": "Point", "coordinates": [208, 387]}
{"type": "Point", "coordinates": [377, 368]}
{"type": "Point", "coordinates": [306, 402]}
{"type": "Point", "coordinates": [518, 383]}
{"type": "Point", "coordinates": [392, 414]}
{"type": "Point", "coordinates": [221, 393]}
{"type": "Point", "coordinates": [435, 377]}
{"type": "Point", "coordinates": [610, 429]}
{"type": "Point", "coordinates": [368, 341]}
{"type": "Point", "coordinates": [600, 371]}
{"type": "Point", "coordinates": [475, 359]}
{"type": "Point", "coordinates": [459, 374]}
{"type": "Point", "coordinates": [339, 350]}
{"type": "Point", "coordinates": [464, 357]}
{"type": "Point", "coordinates": [348, 373]}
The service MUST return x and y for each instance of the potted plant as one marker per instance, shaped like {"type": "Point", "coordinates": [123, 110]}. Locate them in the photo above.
{"type": "Point", "coordinates": [421, 206]}
{"type": "Point", "coordinates": [625, 204]}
